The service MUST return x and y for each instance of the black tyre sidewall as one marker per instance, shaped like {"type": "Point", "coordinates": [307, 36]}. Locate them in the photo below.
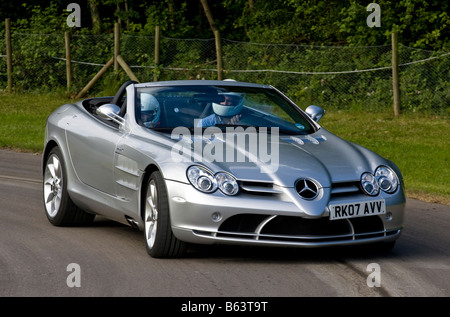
{"type": "Point", "coordinates": [166, 244]}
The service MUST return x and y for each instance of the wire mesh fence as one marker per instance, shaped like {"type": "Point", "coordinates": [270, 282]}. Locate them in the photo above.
{"type": "Point", "coordinates": [334, 77]}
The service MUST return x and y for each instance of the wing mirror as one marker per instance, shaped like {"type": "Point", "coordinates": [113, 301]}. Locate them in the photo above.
{"type": "Point", "coordinates": [110, 111]}
{"type": "Point", "coordinates": [315, 112]}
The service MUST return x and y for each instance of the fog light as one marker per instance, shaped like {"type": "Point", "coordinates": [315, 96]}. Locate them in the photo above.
{"type": "Point", "coordinates": [389, 216]}
{"type": "Point", "coordinates": [216, 216]}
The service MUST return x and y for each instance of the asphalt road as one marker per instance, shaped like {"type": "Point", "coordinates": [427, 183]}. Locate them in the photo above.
{"type": "Point", "coordinates": [108, 259]}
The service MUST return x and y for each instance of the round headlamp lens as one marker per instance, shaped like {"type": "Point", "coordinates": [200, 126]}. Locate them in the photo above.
{"type": "Point", "coordinates": [227, 183]}
{"type": "Point", "coordinates": [369, 184]}
{"type": "Point", "coordinates": [202, 179]}
{"type": "Point", "coordinates": [386, 179]}
{"type": "Point", "coordinates": [204, 183]}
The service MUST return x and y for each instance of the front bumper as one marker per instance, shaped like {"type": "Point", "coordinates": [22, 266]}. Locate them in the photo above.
{"type": "Point", "coordinates": [274, 219]}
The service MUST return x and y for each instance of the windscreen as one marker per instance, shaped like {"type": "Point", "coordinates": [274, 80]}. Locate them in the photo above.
{"type": "Point", "coordinates": [220, 106]}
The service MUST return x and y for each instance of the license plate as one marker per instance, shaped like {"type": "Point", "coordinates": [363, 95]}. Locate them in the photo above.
{"type": "Point", "coordinates": [357, 209]}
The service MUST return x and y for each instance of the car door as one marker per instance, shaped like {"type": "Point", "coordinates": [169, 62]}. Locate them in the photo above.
{"type": "Point", "coordinates": [92, 145]}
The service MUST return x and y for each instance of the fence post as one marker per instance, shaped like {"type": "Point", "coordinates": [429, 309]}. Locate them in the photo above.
{"type": "Point", "coordinates": [8, 54]}
{"type": "Point", "coordinates": [116, 46]}
{"type": "Point", "coordinates": [68, 60]}
{"type": "Point", "coordinates": [126, 68]}
{"type": "Point", "coordinates": [219, 55]}
{"type": "Point", "coordinates": [395, 76]}
{"type": "Point", "coordinates": [157, 39]}
{"type": "Point", "coordinates": [96, 77]}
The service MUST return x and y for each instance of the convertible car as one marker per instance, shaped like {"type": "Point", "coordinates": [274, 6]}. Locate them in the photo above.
{"type": "Point", "coordinates": [216, 162]}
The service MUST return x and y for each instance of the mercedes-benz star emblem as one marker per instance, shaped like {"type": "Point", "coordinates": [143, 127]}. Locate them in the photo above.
{"type": "Point", "coordinates": [307, 189]}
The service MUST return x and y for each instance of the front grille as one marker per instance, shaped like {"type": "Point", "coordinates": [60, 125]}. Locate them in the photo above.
{"type": "Point", "coordinates": [268, 188]}
{"type": "Point", "coordinates": [345, 189]}
{"type": "Point", "coordinates": [298, 230]}
{"type": "Point", "coordinates": [259, 188]}
{"type": "Point", "coordinates": [244, 223]}
{"type": "Point", "coordinates": [296, 226]}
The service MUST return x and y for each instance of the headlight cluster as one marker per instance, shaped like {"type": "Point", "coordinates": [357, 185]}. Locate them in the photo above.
{"type": "Point", "coordinates": [384, 178]}
{"type": "Point", "coordinates": [207, 182]}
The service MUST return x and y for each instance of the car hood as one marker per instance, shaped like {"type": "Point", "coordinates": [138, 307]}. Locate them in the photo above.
{"type": "Point", "coordinates": [282, 159]}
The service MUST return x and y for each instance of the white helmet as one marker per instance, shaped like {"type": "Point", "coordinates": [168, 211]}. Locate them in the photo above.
{"type": "Point", "coordinates": [150, 110]}
{"type": "Point", "coordinates": [234, 103]}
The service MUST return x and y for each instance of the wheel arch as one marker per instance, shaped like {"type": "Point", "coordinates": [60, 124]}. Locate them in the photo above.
{"type": "Point", "coordinates": [48, 147]}
{"type": "Point", "coordinates": [147, 172]}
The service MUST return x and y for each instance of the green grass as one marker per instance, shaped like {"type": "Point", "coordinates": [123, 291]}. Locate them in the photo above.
{"type": "Point", "coordinates": [23, 117]}
{"type": "Point", "coordinates": [419, 144]}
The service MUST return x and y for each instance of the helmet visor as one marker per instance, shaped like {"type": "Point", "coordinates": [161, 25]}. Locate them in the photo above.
{"type": "Point", "coordinates": [231, 100]}
{"type": "Point", "coordinates": [147, 116]}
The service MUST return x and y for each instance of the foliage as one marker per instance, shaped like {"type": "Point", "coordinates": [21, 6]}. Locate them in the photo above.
{"type": "Point", "coordinates": [335, 77]}
{"type": "Point", "coordinates": [343, 42]}
{"type": "Point", "coordinates": [420, 23]}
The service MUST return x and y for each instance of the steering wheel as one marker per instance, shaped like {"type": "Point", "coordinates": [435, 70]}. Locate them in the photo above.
{"type": "Point", "coordinates": [119, 95]}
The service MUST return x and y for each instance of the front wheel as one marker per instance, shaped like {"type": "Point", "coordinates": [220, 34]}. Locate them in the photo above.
{"type": "Point", "coordinates": [59, 208]}
{"type": "Point", "coordinates": [160, 240]}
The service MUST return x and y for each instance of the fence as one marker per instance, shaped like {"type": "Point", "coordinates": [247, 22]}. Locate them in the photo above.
{"type": "Point", "coordinates": [333, 77]}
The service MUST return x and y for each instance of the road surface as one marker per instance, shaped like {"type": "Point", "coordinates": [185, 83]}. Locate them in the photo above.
{"type": "Point", "coordinates": [108, 259]}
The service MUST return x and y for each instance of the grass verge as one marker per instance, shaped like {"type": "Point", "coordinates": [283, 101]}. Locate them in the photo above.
{"type": "Point", "coordinates": [419, 144]}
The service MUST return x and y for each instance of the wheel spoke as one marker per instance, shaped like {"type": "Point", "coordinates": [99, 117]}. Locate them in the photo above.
{"type": "Point", "coordinates": [51, 169]}
{"type": "Point", "coordinates": [57, 166]}
{"type": "Point", "coordinates": [52, 185]}
{"type": "Point", "coordinates": [151, 214]}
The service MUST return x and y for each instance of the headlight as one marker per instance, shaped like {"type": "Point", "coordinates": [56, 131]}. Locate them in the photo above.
{"type": "Point", "coordinates": [204, 180]}
{"type": "Point", "coordinates": [386, 179]}
{"type": "Point", "coordinates": [369, 184]}
{"type": "Point", "coordinates": [227, 183]}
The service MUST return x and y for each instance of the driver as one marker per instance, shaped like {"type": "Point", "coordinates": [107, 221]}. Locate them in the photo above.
{"type": "Point", "coordinates": [226, 112]}
{"type": "Point", "coordinates": [150, 110]}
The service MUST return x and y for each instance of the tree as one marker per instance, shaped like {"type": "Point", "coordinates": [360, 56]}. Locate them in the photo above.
{"type": "Point", "coordinates": [419, 23]}
{"type": "Point", "coordinates": [95, 17]}
{"type": "Point", "coordinates": [209, 15]}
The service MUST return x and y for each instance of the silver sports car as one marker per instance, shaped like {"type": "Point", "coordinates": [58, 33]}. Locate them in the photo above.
{"type": "Point", "coordinates": [216, 162]}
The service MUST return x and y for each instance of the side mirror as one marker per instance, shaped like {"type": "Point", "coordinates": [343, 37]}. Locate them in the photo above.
{"type": "Point", "coordinates": [110, 111]}
{"type": "Point", "coordinates": [315, 112]}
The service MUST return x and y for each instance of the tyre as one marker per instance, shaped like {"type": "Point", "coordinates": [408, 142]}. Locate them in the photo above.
{"type": "Point", "coordinates": [59, 208]}
{"type": "Point", "coordinates": [159, 238]}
